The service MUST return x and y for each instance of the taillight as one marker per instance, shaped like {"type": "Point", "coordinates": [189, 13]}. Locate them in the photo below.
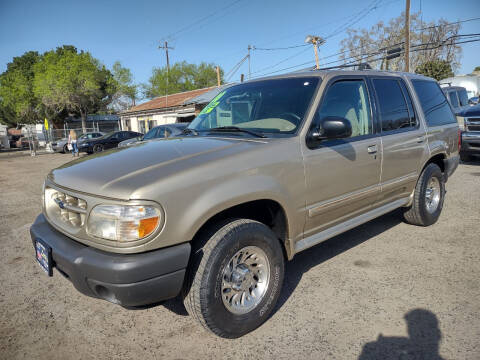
{"type": "Point", "coordinates": [459, 139]}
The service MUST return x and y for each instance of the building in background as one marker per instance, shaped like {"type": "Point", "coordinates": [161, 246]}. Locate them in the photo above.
{"type": "Point", "coordinates": [174, 108]}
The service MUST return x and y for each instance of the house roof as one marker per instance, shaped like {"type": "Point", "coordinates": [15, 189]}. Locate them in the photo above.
{"type": "Point", "coordinates": [170, 101]}
{"type": "Point", "coordinates": [207, 96]}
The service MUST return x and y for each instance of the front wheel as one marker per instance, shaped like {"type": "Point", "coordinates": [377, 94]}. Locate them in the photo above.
{"type": "Point", "coordinates": [98, 148]}
{"type": "Point", "coordinates": [428, 197]}
{"type": "Point", "coordinates": [235, 279]}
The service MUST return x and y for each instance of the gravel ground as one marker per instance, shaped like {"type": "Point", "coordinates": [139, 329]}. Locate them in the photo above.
{"type": "Point", "coordinates": [375, 290]}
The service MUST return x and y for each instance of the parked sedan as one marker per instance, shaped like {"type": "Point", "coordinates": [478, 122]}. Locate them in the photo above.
{"type": "Point", "coordinates": [108, 141]}
{"type": "Point", "coordinates": [161, 131]}
{"type": "Point", "coordinates": [61, 145]}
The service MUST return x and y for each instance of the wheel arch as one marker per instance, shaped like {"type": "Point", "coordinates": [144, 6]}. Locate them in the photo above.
{"type": "Point", "coordinates": [266, 211]}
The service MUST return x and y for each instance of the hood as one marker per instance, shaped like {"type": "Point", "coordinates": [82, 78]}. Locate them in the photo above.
{"type": "Point", "coordinates": [117, 173]}
{"type": "Point", "coordinates": [470, 111]}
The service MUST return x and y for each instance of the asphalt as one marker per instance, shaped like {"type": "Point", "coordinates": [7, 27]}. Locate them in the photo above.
{"type": "Point", "coordinates": [385, 290]}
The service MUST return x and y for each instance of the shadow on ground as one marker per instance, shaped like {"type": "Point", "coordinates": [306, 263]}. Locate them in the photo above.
{"type": "Point", "coordinates": [422, 343]}
{"type": "Point", "coordinates": [316, 255]}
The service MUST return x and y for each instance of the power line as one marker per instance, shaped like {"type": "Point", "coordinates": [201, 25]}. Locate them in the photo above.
{"type": "Point", "coordinates": [207, 17]}
{"type": "Point", "coordinates": [452, 23]}
{"type": "Point", "coordinates": [415, 47]}
{"type": "Point", "coordinates": [280, 48]}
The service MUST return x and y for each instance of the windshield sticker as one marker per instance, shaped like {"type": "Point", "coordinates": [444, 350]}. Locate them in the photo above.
{"type": "Point", "coordinates": [213, 104]}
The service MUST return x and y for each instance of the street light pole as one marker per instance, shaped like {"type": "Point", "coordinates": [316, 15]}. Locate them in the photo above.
{"type": "Point", "coordinates": [315, 41]}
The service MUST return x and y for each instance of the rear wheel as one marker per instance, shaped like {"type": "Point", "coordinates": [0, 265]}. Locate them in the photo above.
{"type": "Point", "coordinates": [65, 149]}
{"type": "Point", "coordinates": [235, 279]}
{"type": "Point", "coordinates": [98, 148]}
{"type": "Point", "coordinates": [428, 197]}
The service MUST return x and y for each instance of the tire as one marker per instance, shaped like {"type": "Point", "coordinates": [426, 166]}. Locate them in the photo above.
{"type": "Point", "coordinates": [465, 157]}
{"type": "Point", "coordinates": [426, 207]}
{"type": "Point", "coordinates": [97, 148]}
{"type": "Point", "coordinates": [206, 295]}
{"type": "Point", "coordinates": [65, 149]}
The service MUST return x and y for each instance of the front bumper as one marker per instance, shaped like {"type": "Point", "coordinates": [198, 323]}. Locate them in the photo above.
{"type": "Point", "coordinates": [471, 142]}
{"type": "Point", "coordinates": [125, 279]}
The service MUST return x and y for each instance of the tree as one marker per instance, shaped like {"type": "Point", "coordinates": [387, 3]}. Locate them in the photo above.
{"type": "Point", "coordinates": [18, 102]}
{"type": "Point", "coordinates": [126, 93]}
{"type": "Point", "coordinates": [370, 45]}
{"type": "Point", "coordinates": [181, 77]}
{"type": "Point", "coordinates": [437, 69]}
{"type": "Point", "coordinates": [75, 81]}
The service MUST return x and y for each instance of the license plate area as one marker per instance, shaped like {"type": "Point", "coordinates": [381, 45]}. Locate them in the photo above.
{"type": "Point", "coordinates": [44, 256]}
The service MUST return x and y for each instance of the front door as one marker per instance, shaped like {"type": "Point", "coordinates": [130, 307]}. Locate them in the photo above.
{"type": "Point", "coordinates": [343, 176]}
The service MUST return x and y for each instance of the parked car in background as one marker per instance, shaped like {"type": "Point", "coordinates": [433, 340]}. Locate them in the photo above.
{"type": "Point", "coordinates": [269, 168]}
{"type": "Point", "coordinates": [158, 132]}
{"type": "Point", "coordinates": [469, 122]}
{"type": "Point", "coordinates": [474, 100]}
{"type": "Point", "coordinates": [107, 141]}
{"type": "Point", "coordinates": [61, 145]}
{"type": "Point", "coordinates": [457, 97]}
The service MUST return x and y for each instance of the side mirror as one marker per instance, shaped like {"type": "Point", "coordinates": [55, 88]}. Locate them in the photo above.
{"type": "Point", "coordinates": [332, 127]}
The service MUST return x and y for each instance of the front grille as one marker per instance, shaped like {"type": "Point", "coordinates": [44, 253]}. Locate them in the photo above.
{"type": "Point", "coordinates": [65, 209]}
{"type": "Point", "coordinates": [473, 124]}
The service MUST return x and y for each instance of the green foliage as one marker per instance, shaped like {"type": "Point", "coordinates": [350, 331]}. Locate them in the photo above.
{"type": "Point", "coordinates": [437, 69]}
{"type": "Point", "coordinates": [477, 69]}
{"type": "Point", "coordinates": [126, 89]}
{"type": "Point", "coordinates": [182, 77]}
{"type": "Point", "coordinates": [67, 80]}
{"type": "Point", "coordinates": [17, 100]}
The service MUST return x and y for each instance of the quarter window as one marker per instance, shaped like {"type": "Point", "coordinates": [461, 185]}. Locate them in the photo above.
{"type": "Point", "coordinates": [452, 95]}
{"type": "Point", "coordinates": [348, 99]}
{"type": "Point", "coordinates": [434, 104]}
{"type": "Point", "coordinates": [463, 97]}
{"type": "Point", "coordinates": [394, 111]}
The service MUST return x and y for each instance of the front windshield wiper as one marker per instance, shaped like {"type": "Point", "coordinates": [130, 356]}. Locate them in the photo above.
{"type": "Point", "coordinates": [190, 131]}
{"type": "Point", "coordinates": [237, 129]}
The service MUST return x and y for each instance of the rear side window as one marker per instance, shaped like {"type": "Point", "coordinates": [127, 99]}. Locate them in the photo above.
{"type": "Point", "coordinates": [463, 97]}
{"type": "Point", "coordinates": [394, 111]}
{"type": "Point", "coordinates": [434, 104]}
{"type": "Point", "coordinates": [453, 99]}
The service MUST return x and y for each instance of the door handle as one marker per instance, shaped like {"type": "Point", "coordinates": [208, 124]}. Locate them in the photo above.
{"type": "Point", "coordinates": [420, 139]}
{"type": "Point", "coordinates": [372, 149]}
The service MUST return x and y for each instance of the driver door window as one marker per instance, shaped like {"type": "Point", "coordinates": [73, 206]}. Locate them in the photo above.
{"type": "Point", "coordinates": [348, 99]}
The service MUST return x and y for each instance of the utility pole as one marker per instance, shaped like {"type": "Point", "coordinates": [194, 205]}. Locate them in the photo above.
{"type": "Point", "coordinates": [165, 47]}
{"type": "Point", "coordinates": [316, 41]}
{"type": "Point", "coordinates": [249, 71]}
{"type": "Point", "coordinates": [218, 75]}
{"type": "Point", "coordinates": [407, 36]}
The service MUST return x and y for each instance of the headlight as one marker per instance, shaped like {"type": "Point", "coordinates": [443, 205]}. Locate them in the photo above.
{"type": "Point", "coordinates": [123, 222]}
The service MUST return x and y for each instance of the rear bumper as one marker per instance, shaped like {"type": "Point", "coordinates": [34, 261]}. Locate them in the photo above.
{"type": "Point", "coordinates": [125, 279]}
{"type": "Point", "coordinates": [471, 142]}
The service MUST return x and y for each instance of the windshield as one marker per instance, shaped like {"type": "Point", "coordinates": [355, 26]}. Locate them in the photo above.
{"type": "Point", "coordinates": [269, 106]}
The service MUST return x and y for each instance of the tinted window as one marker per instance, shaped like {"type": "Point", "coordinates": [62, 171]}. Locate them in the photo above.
{"type": "Point", "coordinates": [348, 99]}
{"type": "Point", "coordinates": [394, 112]}
{"type": "Point", "coordinates": [151, 134]}
{"type": "Point", "coordinates": [452, 95]}
{"type": "Point", "coordinates": [434, 104]}
{"type": "Point", "coordinates": [463, 97]}
{"type": "Point", "coordinates": [411, 109]}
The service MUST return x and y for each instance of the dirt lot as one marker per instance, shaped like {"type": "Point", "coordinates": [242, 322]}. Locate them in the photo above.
{"type": "Point", "coordinates": [362, 287]}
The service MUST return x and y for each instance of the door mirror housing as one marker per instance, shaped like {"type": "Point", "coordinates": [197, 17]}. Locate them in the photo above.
{"type": "Point", "coordinates": [332, 127]}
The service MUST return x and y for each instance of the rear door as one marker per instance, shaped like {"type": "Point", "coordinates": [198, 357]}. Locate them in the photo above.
{"type": "Point", "coordinates": [342, 176]}
{"type": "Point", "coordinates": [404, 142]}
